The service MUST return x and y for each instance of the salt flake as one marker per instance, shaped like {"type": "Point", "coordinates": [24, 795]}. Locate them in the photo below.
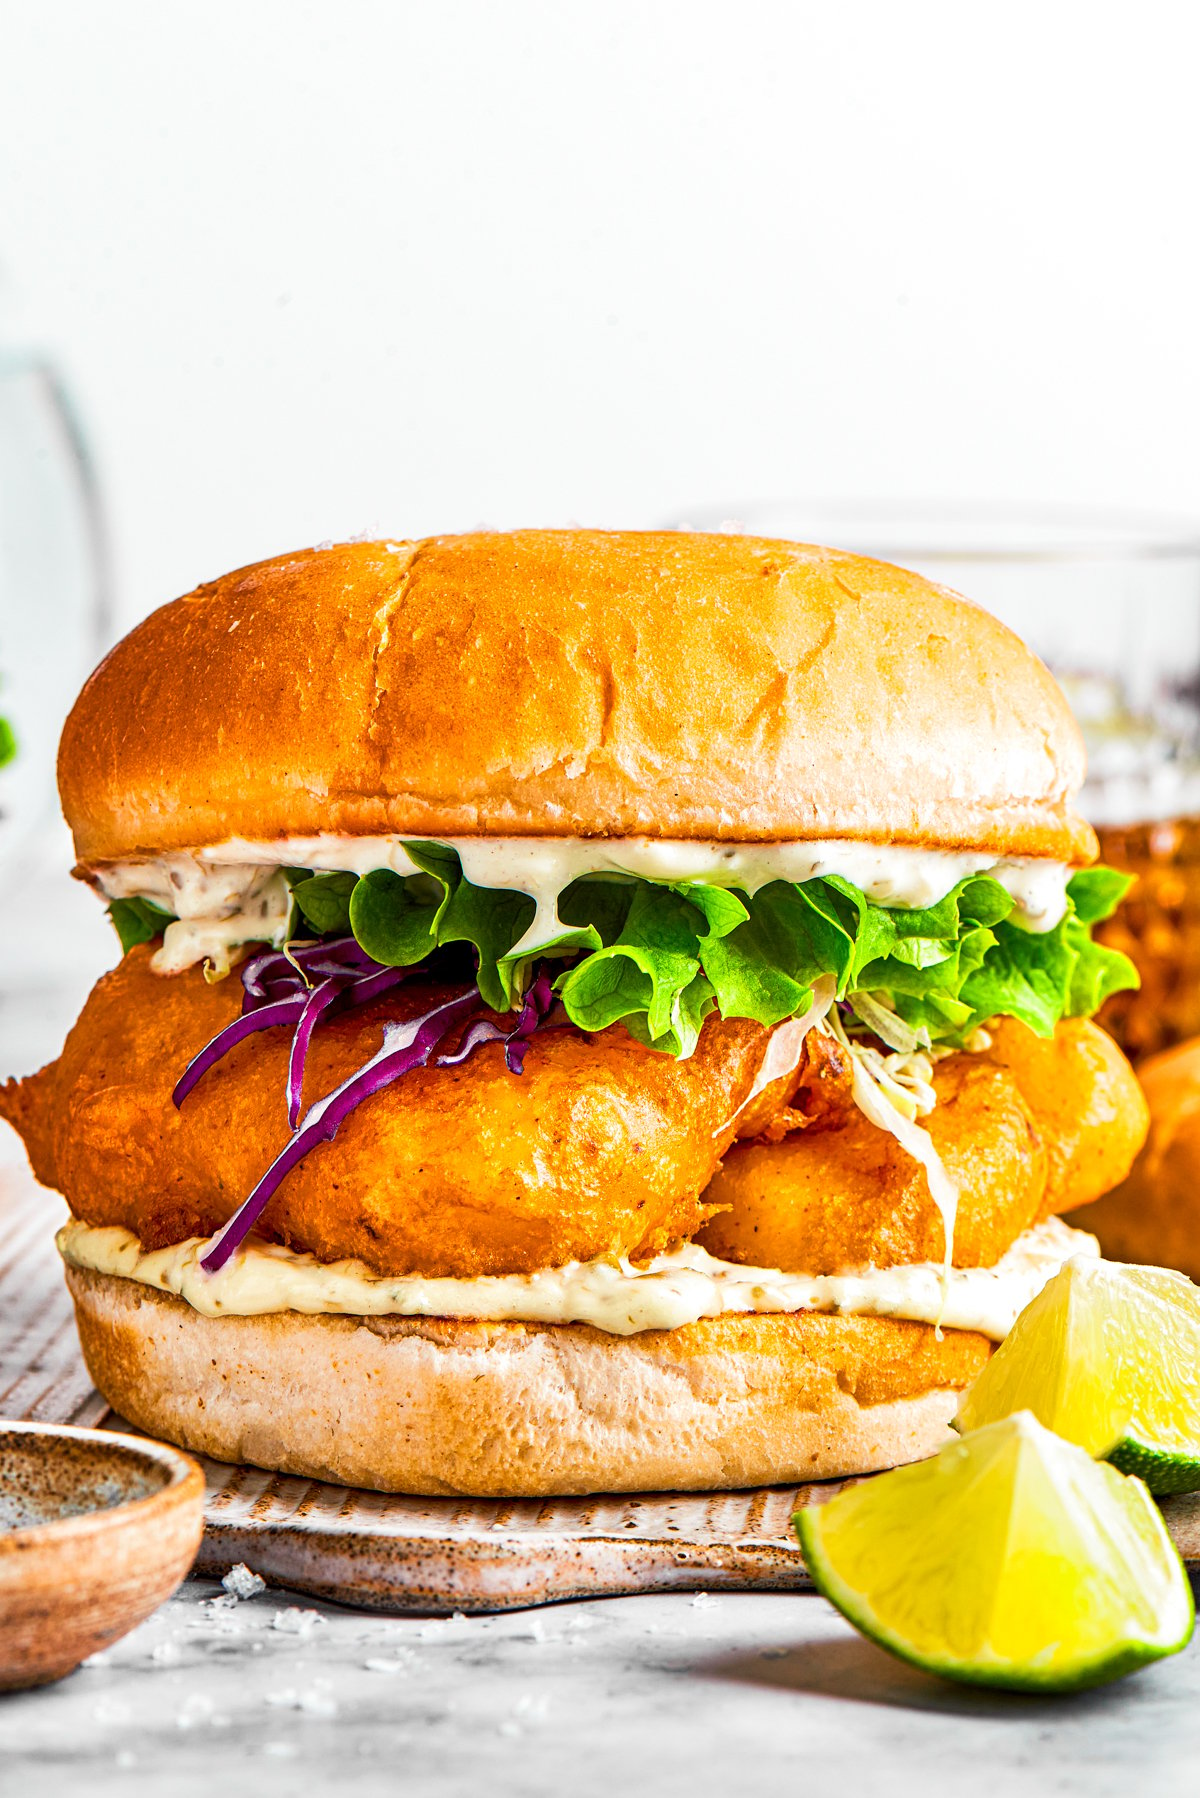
{"type": "Point", "coordinates": [239, 1582]}
{"type": "Point", "coordinates": [296, 1622]}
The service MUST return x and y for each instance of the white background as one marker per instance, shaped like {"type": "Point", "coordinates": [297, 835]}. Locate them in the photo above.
{"type": "Point", "coordinates": [320, 267]}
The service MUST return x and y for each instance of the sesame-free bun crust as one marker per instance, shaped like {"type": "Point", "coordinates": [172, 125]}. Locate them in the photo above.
{"type": "Point", "coordinates": [573, 683]}
{"type": "Point", "coordinates": [429, 1406]}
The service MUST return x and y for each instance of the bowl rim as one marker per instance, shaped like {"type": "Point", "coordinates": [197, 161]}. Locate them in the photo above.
{"type": "Point", "coordinates": [185, 1479]}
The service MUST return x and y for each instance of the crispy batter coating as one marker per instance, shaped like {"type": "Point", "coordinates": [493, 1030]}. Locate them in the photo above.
{"type": "Point", "coordinates": [842, 1193]}
{"type": "Point", "coordinates": [600, 1147]}
{"type": "Point", "coordinates": [1085, 1100]}
{"type": "Point", "coordinates": [1028, 1128]}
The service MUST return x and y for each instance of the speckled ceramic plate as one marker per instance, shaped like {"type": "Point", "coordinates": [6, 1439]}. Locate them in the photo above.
{"type": "Point", "coordinates": [402, 1554]}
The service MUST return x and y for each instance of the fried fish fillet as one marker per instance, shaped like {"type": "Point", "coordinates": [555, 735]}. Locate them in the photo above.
{"type": "Point", "coordinates": [1086, 1102]}
{"type": "Point", "coordinates": [847, 1195]}
{"type": "Point", "coordinates": [1026, 1128]}
{"type": "Point", "coordinates": [601, 1147]}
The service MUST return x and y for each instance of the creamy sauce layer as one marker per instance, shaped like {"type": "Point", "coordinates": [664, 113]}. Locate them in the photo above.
{"type": "Point", "coordinates": [217, 892]}
{"type": "Point", "coordinates": [672, 1290]}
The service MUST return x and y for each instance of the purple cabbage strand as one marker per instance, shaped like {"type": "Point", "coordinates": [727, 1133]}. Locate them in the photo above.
{"type": "Point", "coordinates": [299, 988]}
{"type": "Point", "coordinates": [405, 1047]}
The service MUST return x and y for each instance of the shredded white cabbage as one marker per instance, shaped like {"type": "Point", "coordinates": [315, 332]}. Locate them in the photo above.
{"type": "Point", "coordinates": [786, 1046]}
{"type": "Point", "coordinates": [892, 1106]}
{"type": "Point", "coordinates": [887, 1025]}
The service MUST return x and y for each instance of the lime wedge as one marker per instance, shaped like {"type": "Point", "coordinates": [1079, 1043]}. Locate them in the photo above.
{"type": "Point", "coordinates": [1009, 1559]}
{"type": "Point", "coordinates": [1109, 1357]}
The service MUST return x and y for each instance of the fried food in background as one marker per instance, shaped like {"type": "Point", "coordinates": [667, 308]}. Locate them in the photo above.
{"type": "Point", "coordinates": [1025, 1129]}
{"type": "Point", "coordinates": [1154, 1215]}
{"type": "Point", "coordinates": [1158, 926]}
{"type": "Point", "coordinates": [601, 1147]}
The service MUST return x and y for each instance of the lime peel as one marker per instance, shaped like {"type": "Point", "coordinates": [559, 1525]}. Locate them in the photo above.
{"type": "Point", "coordinates": [1010, 1559]}
{"type": "Point", "coordinates": [1109, 1357]}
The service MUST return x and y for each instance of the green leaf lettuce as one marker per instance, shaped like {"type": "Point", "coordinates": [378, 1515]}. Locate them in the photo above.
{"type": "Point", "coordinates": [658, 958]}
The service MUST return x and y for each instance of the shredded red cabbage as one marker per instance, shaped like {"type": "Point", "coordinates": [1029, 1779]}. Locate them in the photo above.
{"type": "Point", "coordinates": [296, 966]}
{"type": "Point", "coordinates": [298, 988]}
{"type": "Point", "coordinates": [318, 1001]}
{"type": "Point", "coordinates": [405, 1046]}
{"type": "Point", "coordinates": [279, 988]}
{"type": "Point", "coordinates": [279, 1011]}
{"type": "Point", "coordinates": [538, 1001]}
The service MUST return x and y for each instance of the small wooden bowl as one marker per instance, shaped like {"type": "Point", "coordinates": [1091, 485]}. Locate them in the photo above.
{"type": "Point", "coordinates": [96, 1530]}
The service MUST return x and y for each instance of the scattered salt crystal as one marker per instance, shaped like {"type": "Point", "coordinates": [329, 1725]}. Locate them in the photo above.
{"type": "Point", "coordinates": [325, 543]}
{"type": "Point", "coordinates": [101, 1658]}
{"type": "Point", "coordinates": [280, 1750]}
{"type": "Point", "coordinates": [537, 1630]}
{"type": "Point", "coordinates": [703, 1601]}
{"type": "Point", "coordinates": [166, 1653]}
{"type": "Point", "coordinates": [377, 1664]}
{"type": "Point", "coordinates": [296, 1622]}
{"type": "Point", "coordinates": [239, 1582]}
{"type": "Point", "coordinates": [315, 1701]}
{"type": "Point", "coordinates": [197, 1708]}
{"type": "Point", "coordinates": [432, 1632]}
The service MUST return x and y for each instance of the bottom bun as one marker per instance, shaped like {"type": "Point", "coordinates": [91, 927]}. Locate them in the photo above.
{"type": "Point", "coordinates": [430, 1406]}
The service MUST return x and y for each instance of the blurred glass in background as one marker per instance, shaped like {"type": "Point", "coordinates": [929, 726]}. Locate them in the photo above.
{"type": "Point", "coordinates": [54, 623]}
{"type": "Point", "coordinates": [53, 591]}
{"type": "Point", "coordinates": [1112, 603]}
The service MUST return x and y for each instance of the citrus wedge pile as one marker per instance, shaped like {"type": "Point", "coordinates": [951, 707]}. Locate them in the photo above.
{"type": "Point", "coordinates": [1109, 1357]}
{"type": "Point", "coordinates": [1009, 1559]}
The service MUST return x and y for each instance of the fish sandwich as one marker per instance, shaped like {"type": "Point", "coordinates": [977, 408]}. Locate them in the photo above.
{"type": "Point", "coordinates": [598, 1012]}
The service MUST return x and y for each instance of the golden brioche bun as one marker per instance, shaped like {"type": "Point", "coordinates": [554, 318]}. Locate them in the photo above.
{"type": "Point", "coordinates": [1154, 1215]}
{"type": "Point", "coordinates": [573, 683]}
{"type": "Point", "coordinates": [511, 1410]}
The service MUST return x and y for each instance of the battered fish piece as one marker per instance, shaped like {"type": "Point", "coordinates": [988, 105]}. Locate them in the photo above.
{"type": "Point", "coordinates": [842, 1193]}
{"type": "Point", "coordinates": [1027, 1128]}
{"type": "Point", "coordinates": [1085, 1099]}
{"type": "Point", "coordinates": [601, 1147]}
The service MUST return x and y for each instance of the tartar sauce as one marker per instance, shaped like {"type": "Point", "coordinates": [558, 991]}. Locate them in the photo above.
{"type": "Point", "coordinates": [618, 1297]}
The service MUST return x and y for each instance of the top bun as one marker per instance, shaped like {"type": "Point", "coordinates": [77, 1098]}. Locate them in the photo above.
{"type": "Point", "coordinates": [573, 683]}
